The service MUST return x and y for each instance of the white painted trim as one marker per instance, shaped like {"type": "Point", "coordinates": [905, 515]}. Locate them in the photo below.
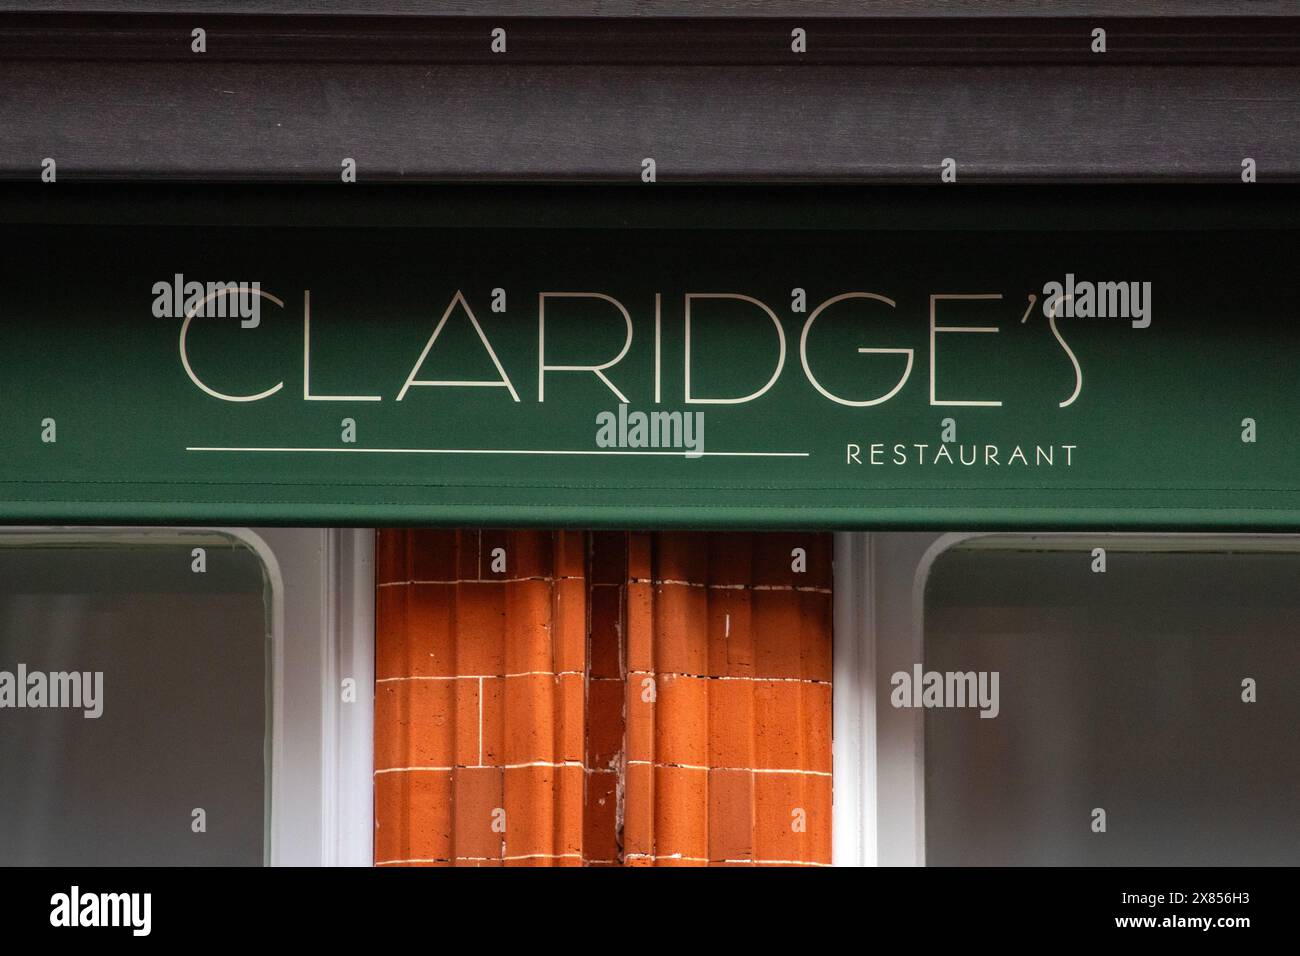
{"type": "Point", "coordinates": [878, 812]}
{"type": "Point", "coordinates": [322, 812]}
{"type": "Point", "coordinates": [853, 806]}
{"type": "Point", "coordinates": [921, 577]}
{"type": "Point", "coordinates": [350, 827]}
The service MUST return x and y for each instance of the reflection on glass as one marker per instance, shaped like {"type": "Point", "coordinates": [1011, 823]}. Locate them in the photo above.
{"type": "Point", "coordinates": [180, 659]}
{"type": "Point", "coordinates": [1121, 691]}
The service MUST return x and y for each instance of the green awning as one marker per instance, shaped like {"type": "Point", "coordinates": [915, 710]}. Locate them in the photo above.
{"type": "Point", "coordinates": [735, 371]}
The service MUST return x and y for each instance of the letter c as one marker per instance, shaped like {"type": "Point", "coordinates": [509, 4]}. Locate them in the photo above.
{"type": "Point", "coordinates": [185, 360]}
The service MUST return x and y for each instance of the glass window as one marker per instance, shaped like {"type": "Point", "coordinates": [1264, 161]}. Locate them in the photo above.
{"type": "Point", "coordinates": [1125, 690]}
{"type": "Point", "coordinates": [134, 702]}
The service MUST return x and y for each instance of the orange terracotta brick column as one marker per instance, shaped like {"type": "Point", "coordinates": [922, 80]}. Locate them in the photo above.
{"type": "Point", "coordinates": [564, 698]}
{"type": "Point", "coordinates": [480, 665]}
{"type": "Point", "coordinates": [729, 700]}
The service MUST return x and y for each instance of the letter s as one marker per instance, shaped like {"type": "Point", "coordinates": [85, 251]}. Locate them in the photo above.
{"type": "Point", "coordinates": [1078, 372]}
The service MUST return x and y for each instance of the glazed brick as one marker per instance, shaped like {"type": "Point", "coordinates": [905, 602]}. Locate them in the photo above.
{"type": "Point", "coordinates": [555, 746]}
{"type": "Point", "coordinates": [640, 716]}
{"type": "Point", "coordinates": [570, 554]}
{"type": "Point", "coordinates": [600, 843]}
{"type": "Point", "coordinates": [569, 625]}
{"type": "Point", "coordinates": [730, 633]}
{"type": "Point", "coordinates": [493, 720]}
{"type": "Point", "coordinates": [792, 634]}
{"type": "Point", "coordinates": [476, 793]}
{"type": "Point", "coordinates": [467, 555]}
{"type": "Point", "coordinates": [477, 625]}
{"type": "Point", "coordinates": [731, 815]}
{"type": "Point", "coordinates": [773, 560]}
{"type": "Point", "coordinates": [640, 556]}
{"type": "Point", "coordinates": [418, 625]}
{"type": "Point", "coordinates": [533, 717]}
{"type": "Point", "coordinates": [681, 819]}
{"type": "Point", "coordinates": [731, 557]}
{"type": "Point", "coordinates": [605, 702]}
{"type": "Point", "coordinates": [413, 816]}
{"type": "Point", "coordinates": [816, 626]}
{"type": "Point", "coordinates": [606, 624]}
{"type": "Point", "coordinates": [528, 716]}
{"type": "Point", "coordinates": [571, 721]}
{"type": "Point", "coordinates": [488, 540]}
{"type": "Point", "coordinates": [681, 629]}
{"type": "Point", "coordinates": [775, 797]}
{"type": "Point", "coordinates": [570, 803]}
{"type": "Point", "coordinates": [528, 554]}
{"type": "Point", "coordinates": [526, 626]}
{"type": "Point", "coordinates": [426, 723]}
{"type": "Point", "coordinates": [640, 598]}
{"type": "Point", "coordinates": [544, 812]}
{"type": "Point", "coordinates": [682, 556]}
{"type": "Point", "coordinates": [639, 800]}
{"type": "Point", "coordinates": [731, 723]}
{"type": "Point", "coordinates": [395, 653]}
{"type": "Point", "coordinates": [682, 721]}
{"type": "Point", "coordinates": [439, 630]}
{"type": "Point", "coordinates": [392, 554]}
{"type": "Point", "coordinates": [410, 864]}
{"type": "Point", "coordinates": [529, 798]}
{"type": "Point", "coordinates": [608, 557]}
{"type": "Point", "coordinates": [418, 555]}
{"type": "Point", "coordinates": [781, 722]}
{"type": "Point", "coordinates": [818, 700]}
{"type": "Point", "coordinates": [778, 631]}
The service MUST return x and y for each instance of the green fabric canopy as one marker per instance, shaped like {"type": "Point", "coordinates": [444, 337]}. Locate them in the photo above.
{"type": "Point", "coordinates": [714, 375]}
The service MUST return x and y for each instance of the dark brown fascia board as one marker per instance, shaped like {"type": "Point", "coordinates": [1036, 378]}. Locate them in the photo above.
{"type": "Point", "coordinates": [288, 99]}
{"type": "Point", "coordinates": [1033, 208]}
{"type": "Point", "coordinates": [700, 41]}
{"type": "Point", "coordinates": [404, 123]}
{"type": "Point", "coordinates": [863, 9]}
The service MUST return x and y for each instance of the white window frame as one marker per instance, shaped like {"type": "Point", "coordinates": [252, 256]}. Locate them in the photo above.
{"type": "Point", "coordinates": [322, 585]}
{"type": "Point", "coordinates": [878, 809]}
{"type": "Point", "coordinates": [322, 795]}
{"type": "Point", "coordinates": [878, 816]}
